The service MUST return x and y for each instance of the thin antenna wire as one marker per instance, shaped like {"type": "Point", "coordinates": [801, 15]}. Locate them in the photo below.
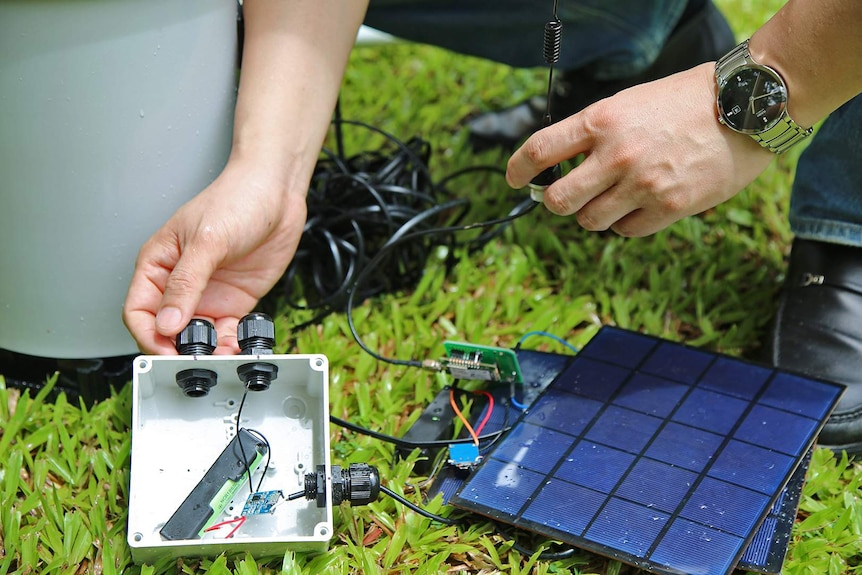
{"type": "Point", "coordinates": [553, 34]}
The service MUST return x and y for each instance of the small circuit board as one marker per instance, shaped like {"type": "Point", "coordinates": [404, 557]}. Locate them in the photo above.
{"type": "Point", "coordinates": [471, 361]}
{"type": "Point", "coordinates": [261, 502]}
{"type": "Point", "coordinates": [464, 455]}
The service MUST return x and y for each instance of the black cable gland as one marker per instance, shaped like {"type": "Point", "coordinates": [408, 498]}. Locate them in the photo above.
{"type": "Point", "coordinates": [196, 382]}
{"type": "Point", "coordinates": [362, 484]}
{"type": "Point", "coordinates": [315, 485]}
{"type": "Point", "coordinates": [359, 484]}
{"type": "Point", "coordinates": [197, 338]}
{"type": "Point", "coordinates": [258, 375]}
{"type": "Point", "coordinates": [255, 334]}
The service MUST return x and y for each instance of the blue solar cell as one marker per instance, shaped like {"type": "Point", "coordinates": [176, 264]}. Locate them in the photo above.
{"type": "Point", "coordinates": [625, 348]}
{"type": "Point", "coordinates": [753, 467]}
{"type": "Point", "coordinates": [735, 377]}
{"type": "Point", "coordinates": [624, 429]}
{"type": "Point", "coordinates": [691, 548]}
{"type": "Point", "coordinates": [710, 411]}
{"type": "Point", "coordinates": [508, 485]}
{"type": "Point", "coordinates": [760, 547]}
{"type": "Point", "coordinates": [676, 362]}
{"type": "Point", "coordinates": [565, 507]}
{"type": "Point", "coordinates": [626, 526]}
{"type": "Point", "coordinates": [592, 379]}
{"type": "Point", "coordinates": [650, 394]}
{"type": "Point", "coordinates": [777, 430]}
{"type": "Point", "coordinates": [727, 507]}
{"type": "Point", "coordinates": [777, 527]}
{"type": "Point", "coordinates": [656, 485]}
{"type": "Point", "coordinates": [595, 466]}
{"type": "Point", "coordinates": [684, 446]}
{"type": "Point", "coordinates": [678, 456]}
{"type": "Point", "coordinates": [534, 447]}
{"type": "Point", "coordinates": [799, 395]}
{"type": "Point", "coordinates": [563, 411]}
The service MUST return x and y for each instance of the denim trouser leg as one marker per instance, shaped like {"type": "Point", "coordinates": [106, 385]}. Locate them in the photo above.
{"type": "Point", "coordinates": [826, 202]}
{"type": "Point", "coordinates": [616, 38]}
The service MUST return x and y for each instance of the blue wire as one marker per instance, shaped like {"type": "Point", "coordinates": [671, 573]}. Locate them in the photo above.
{"type": "Point", "coordinates": [546, 334]}
{"type": "Point", "coordinates": [515, 403]}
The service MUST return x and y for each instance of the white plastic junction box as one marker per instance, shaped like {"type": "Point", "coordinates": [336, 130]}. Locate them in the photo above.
{"type": "Point", "coordinates": [176, 439]}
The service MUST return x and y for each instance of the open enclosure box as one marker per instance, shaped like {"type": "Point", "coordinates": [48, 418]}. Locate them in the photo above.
{"type": "Point", "coordinates": [176, 439]}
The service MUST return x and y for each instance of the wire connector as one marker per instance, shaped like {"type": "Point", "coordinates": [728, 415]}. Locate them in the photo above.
{"type": "Point", "coordinates": [360, 484]}
{"type": "Point", "coordinates": [432, 365]}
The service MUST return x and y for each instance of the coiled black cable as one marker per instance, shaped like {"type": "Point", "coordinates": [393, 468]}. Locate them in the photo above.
{"type": "Point", "coordinates": [373, 220]}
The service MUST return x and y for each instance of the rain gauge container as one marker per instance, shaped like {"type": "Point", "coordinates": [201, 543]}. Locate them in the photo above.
{"type": "Point", "coordinates": [113, 113]}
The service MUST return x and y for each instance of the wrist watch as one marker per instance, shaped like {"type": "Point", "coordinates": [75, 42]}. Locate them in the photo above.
{"type": "Point", "coordinates": [752, 99]}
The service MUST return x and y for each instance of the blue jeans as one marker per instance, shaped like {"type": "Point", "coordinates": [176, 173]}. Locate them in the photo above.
{"type": "Point", "coordinates": [617, 39]}
{"type": "Point", "coordinates": [620, 38]}
{"type": "Point", "coordinates": [826, 203]}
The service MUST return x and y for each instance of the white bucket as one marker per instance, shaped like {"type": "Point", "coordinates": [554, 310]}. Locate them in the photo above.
{"type": "Point", "coordinates": [113, 113]}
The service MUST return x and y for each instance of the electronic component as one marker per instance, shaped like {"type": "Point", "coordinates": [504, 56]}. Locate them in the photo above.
{"type": "Point", "coordinates": [471, 361]}
{"type": "Point", "coordinates": [694, 450]}
{"type": "Point", "coordinates": [217, 487]}
{"type": "Point", "coordinates": [261, 502]}
{"type": "Point", "coordinates": [551, 52]}
{"type": "Point", "coordinates": [464, 455]}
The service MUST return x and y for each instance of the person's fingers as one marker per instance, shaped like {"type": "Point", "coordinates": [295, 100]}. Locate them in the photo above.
{"type": "Point", "coordinates": [580, 186]}
{"type": "Point", "coordinates": [226, 329]}
{"type": "Point", "coordinates": [143, 297]}
{"type": "Point", "coordinates": [183, 290]}
{"type": "Point", "coordinates": [641, 223]}
{"type": "Point", "coordinates": [141, 324]}
{"type": "Point", "coordinates": [548, 147]}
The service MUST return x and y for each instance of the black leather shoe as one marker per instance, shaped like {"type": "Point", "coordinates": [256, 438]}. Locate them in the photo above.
{"type": "Point", "coordinates": [702, 35]}
{"type": "Point", "coordinates": [818, 331]}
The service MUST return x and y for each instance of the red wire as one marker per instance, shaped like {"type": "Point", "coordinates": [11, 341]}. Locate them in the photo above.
{"type": "Point", "coordinates": [238, 520]}
{"type": "Point", "coordinates": [488, 412]}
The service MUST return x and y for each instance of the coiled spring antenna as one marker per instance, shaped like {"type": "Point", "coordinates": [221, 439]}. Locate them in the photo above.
{"type": "Point", "coordinates": [553, 39]}
{"type": "Point", "coordinates": [551, 52]}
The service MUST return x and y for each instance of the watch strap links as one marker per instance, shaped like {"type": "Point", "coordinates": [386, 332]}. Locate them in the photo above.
{"type": "Point", "coordinates": [783, 135]}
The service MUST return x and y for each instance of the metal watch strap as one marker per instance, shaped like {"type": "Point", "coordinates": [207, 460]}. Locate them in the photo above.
{"type": "Point", "coordinates": [785, 133]}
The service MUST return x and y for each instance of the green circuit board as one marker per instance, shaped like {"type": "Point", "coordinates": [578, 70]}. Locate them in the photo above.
{"type": "Point", "coordinates": [472, 361]}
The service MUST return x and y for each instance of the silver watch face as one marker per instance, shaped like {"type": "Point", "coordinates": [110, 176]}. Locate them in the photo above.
{"type": "Point", "coordinates": [752, 99]}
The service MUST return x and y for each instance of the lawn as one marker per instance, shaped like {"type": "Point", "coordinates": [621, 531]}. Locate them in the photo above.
{"type": "Point", "coordinates": [710, 281]}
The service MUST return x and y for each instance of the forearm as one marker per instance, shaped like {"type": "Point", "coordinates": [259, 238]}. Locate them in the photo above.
{"type": "Point", "coordinates": [293, 60]}
{"type": "Point", "coordinates": [816, 47]}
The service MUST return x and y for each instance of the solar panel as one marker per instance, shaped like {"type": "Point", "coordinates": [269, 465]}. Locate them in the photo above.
{"type": "Point", "coordinates": [663, 456]}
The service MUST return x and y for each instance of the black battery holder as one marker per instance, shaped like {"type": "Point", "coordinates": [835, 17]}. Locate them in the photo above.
{"type": "Point", "coordinates": [436, 423]}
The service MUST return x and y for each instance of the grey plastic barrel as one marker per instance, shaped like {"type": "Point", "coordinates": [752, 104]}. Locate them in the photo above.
{"type": "Point", "coordinates": [113, 113]}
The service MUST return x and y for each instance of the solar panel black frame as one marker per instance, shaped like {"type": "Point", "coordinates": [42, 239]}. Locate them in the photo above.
{"type": "Point", "coordinates": [660, 455]}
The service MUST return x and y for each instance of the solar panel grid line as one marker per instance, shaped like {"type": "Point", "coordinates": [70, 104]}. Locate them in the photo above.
{"type": "Point", "coordinates": [678, 512]}
{"type": "Point", "coordinates": [709, 462]}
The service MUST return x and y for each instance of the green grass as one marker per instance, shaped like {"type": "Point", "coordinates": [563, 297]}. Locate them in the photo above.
{"type": "Point", "coordinates": [710, 281]}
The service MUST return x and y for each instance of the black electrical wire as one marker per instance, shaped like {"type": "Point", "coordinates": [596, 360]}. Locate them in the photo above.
{"type": "Point", "coordinates": [400, 442]}
{"type": "Point", "coordinates": [417, 509]}
{"type": "Point", "coordinates": [519, 210]}
{"type": "Point", "coordinates": [260, 436]}
{"type": "Point", "coordinates": [239, 440]}
{"type": "Point", "coordinates": [380, 200]}
{"type": "Point", "coordinates": [524, 550]}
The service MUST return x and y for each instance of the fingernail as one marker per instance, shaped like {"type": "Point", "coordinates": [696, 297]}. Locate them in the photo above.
{"type": "Point", "coordinates": [168, 319]}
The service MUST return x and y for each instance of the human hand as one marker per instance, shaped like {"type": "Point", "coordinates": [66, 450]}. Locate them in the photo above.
{"type": "Point", "coordinates": [214, 258]}
{"type": "Point", "coordinates": [654, 154]}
